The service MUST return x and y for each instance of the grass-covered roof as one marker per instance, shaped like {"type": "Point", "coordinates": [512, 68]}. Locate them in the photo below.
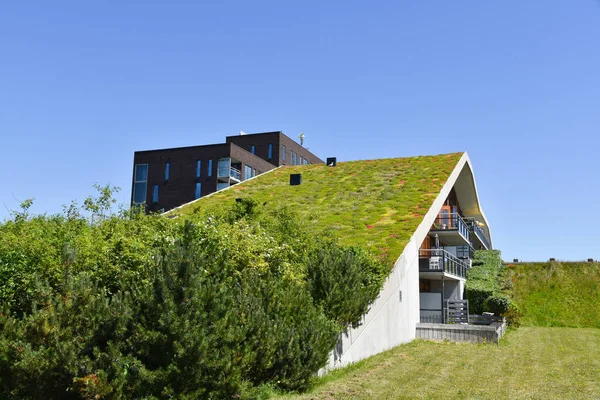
{"type": "Point", "coordinates": [375, 204]}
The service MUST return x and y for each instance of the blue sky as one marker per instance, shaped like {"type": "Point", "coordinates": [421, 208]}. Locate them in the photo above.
{"type": "Point", "coordinates": [516, 84]}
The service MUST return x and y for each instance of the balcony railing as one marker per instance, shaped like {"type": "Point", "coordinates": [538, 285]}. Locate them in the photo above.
{"type": "Point", "coordinates": [438, 260]}
{"type": "Point", "coordinates": [229, 172]}
{"type": "Point", "coordinates": [452, 221]}
{"type": "Point", "coordinates": [479, 232]}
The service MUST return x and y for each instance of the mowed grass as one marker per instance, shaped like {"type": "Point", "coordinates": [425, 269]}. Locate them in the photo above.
{"type": "Point", "coordinates": [530, 363]}
{"type": "Point", "coordinates": [565, 294]}
{"type": "Point", "coordinates": [374, 204]}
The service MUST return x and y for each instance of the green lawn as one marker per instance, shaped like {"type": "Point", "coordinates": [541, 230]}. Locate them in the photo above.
{"type": "Point", "coordinates": [530, 363]}
{"type": "Point", "coordinates": [375, 204]}
{"type": "Point", "coordinates": [564, 294]}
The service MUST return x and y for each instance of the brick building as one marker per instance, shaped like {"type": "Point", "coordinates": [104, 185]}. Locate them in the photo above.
{"type": "Point", "coordinates": [166, 178]}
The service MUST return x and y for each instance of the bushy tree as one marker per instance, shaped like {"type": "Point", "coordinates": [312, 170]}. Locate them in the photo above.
{"type": "Point", "coordinates": [137, 306]}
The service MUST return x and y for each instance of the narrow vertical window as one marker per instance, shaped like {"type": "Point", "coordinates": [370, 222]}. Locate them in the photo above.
{"type": "Point", "coordinates": [254, 172]}
{"type": "Point", "coordinates": [167, 170]}
{"type": "Point", "coordinates": [140, 182]}
{"type": "Point", "coordinates": [283, 152]}
{"type": "Point", "coordinates": [301, 162]}
{"type": "Point", "coordinates": [247, 172]}
{"type": "Point", "coordinates": [198, 192]}
{"type": "Point", "coordinates": [253, 149]}
{"type": "Point", "coordinates": [291, 157]}
{"type": "Point", "coordinates": [155, 194]}
{"type": "Point", "coordinates": [209, 169]}
{"type": "Point", "coordinates": [270, 152]}
{"type": "Point", "coordinates": [198, 168]}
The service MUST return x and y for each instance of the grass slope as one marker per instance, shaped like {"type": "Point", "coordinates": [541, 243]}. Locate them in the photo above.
{"type": "Point", "coordinates": [557, 293]}
{"type": "Point", "coordinates": [531, 362]}
{"type": "Point", "coordinates": [376, 204]}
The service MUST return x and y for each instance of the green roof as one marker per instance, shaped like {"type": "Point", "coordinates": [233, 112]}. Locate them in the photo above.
{"type": "Point", "coordinates": [375, 204]}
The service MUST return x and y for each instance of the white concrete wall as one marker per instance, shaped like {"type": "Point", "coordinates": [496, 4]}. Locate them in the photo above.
{"type": "Point", "coordinates": [390, 321]}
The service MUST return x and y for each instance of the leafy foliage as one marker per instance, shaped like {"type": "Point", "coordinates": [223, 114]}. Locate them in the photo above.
{"type": "Point", "coordinates": [484, 287]}
{"type": "Point", "coordinates": [210, 306]}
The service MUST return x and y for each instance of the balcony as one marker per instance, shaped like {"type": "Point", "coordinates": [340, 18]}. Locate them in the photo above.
{"type": "Point", "coordinates": [478, 232]}
{"type": "Point", "coordinates": [451, 229]}
{"type": "Point", "coordinates": [229, 172]}
{"type": "Point", "coordinates": [436, 261]}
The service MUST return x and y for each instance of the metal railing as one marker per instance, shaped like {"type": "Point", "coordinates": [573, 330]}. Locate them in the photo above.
{"type": "Point", "coordinates": [226, 172]}
{"type": "Point", "coordinates": [479, 232]}
{"type": "Point", "coordinates": [438, 260]}
{"type": "Point", "coordinates": [452, 221]}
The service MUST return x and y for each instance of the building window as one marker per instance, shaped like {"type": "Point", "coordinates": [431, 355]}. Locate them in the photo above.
{"type": "Point", "coordinates": [155, 194]}
{"type": "Point", "coordinates": [167, 170]}
{"type": "Point", "coordinates": [270, 153]}
{"type": "Point", "coordinates": [198, 193]}
{"type": "Point", "coordinates": [140, 182]}
{"type": "Point", "coordinates": [253, 149]}
{"type": "Point", "coordinates": [254, 172]}
{"type": "Point", "coordinates": [291, 157]}
{"type": "Point", "coordinates": [283, 153]}
{"type": "Point", "coordinates": [301, 161]}
{"type": "Point", "coordinates": [198, 168]}
{"type": "Point", "coordinates": [222, 185]}
{"type": "Point", "coordinates": [295, 159]}
{"type": "Point", "coordinates": [247, 172]}
{"type": "Point", "coordinates": [209, 169]}
{"type": "Point", "coordinates": [305, 161]}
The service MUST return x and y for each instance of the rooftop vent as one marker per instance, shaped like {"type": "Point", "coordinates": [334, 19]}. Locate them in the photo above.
{"type": "Point", "coordinates": [331, 161]}
{"type": "Point", "coordinates": [295, 179]}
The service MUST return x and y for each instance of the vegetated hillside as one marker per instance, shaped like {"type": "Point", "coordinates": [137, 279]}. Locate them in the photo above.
{"type": "Point", "coordinates": [557, 293]}
{"type": "Point", "coordinates": [376, 204]}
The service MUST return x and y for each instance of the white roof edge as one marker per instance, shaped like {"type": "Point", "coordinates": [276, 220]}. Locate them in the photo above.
{"type": "Point", "coordinates": [467, 160]}
{"type": "Point", "coordinates": [423, 229]}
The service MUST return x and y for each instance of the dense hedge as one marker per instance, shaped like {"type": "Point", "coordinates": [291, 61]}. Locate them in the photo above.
{"type": "Point", "coordinates": [136, 306]}
{"type": "Point", "coordinates": [483, 287]}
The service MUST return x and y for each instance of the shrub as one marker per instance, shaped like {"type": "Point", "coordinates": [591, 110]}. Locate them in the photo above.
{"type": "Point", "coordinates": [498, 304]}
{"type": "Point", "coordinates": [136, 306]}
{"type": "Point", "coordinates": [344, 281]}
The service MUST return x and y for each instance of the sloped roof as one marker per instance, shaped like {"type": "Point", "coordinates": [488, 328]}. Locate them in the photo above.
{"type": "Point", "coordinates": [376, 204]}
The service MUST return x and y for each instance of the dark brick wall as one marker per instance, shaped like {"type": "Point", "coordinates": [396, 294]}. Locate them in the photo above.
{"type": "Point", "coordinates": [278, 140]}
{"type": "Point", "coordinates": [181, 185]}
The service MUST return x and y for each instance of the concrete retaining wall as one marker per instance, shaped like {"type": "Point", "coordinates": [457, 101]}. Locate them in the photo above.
{"type": "Point", "coordinates": [462, 333]}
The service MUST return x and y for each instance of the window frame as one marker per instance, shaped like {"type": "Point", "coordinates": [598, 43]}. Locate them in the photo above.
{"type": "Point", "coordinates": [155, 190]}
{"type": "Point", "coordinates": [136, 180]}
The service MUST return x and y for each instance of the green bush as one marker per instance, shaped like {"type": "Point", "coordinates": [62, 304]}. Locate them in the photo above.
{"type": "Point", "coordinates": [136, 306]}
{"type": "Point", "coordinates": [344, 281]}
{"type": "Point", "coordinates": [485, 284]}
{"type": "Point", "coordinates": [498, 304]}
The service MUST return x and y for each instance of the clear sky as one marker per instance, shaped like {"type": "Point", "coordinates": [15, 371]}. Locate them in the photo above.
{"type": "Point", "coordinates": [514, 83]}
